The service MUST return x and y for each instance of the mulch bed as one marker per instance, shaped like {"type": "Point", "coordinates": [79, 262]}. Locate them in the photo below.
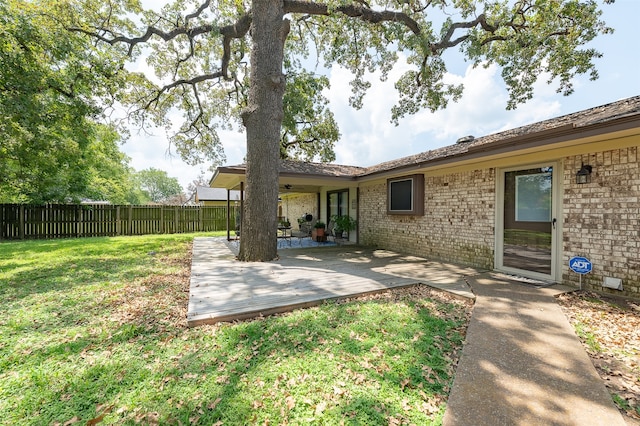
{"type": "Point", "coordinates": [611, 335]}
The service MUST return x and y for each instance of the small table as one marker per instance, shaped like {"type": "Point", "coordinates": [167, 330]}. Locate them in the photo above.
{"type": "Point", "coordinates": [284, 233]}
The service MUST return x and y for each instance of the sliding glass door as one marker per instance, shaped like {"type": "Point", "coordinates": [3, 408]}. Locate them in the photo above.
{"type": "Point", "coordinates": [337, 203]}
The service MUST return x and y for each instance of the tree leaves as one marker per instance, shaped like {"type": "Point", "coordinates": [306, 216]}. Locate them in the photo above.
{"type": "Point", "coordinates": [158, 185]}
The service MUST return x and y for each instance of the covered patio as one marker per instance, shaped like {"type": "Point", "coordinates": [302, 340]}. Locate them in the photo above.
{"type": "Point", "coordinates": [320, 190]}
{"type": "Point", "coordinates": [223, 289]}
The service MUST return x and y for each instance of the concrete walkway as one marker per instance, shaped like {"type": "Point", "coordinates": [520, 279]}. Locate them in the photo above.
{"type": "Point", "coordinates": [522, 363]}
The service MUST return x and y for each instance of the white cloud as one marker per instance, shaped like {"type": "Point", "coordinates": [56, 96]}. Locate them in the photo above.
{"type": "Point", "coordinates": [368, 136]}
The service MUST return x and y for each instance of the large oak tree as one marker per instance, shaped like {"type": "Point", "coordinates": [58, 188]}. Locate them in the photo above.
{"type": "Point", "coordinates": [217, 61]}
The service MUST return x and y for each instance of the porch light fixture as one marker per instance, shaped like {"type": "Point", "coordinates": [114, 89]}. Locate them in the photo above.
{"type": "Point", "coordinates": [584, 174]}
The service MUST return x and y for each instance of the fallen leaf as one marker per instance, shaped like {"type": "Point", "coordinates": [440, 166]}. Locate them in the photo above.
{"type": "Point", "coordinates": [404, 383]}
{"type": "Point", "coordinates": [320, 408]}
{"type": "Point", "coordinates": [291, 402]}
{"type": "Point", "coordinates": [100, 418]}
{"type": "Point", "coordinates": [71, 421]}
{"type": "Point", "coordinates": [214, 404]}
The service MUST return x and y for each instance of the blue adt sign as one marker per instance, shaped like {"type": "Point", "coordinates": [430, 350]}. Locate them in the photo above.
{"type": "Point", "coordinates": [581, 265]}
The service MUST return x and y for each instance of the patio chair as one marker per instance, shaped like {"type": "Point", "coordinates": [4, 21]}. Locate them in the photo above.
{"type": "Point", "coordinates": [303, 232]}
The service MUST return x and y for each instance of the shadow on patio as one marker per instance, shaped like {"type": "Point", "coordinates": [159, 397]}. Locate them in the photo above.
{"type": "Point", "coordinates": [223, 289]}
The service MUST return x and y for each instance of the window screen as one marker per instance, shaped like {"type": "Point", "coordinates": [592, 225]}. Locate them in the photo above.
{"type": "Point", "coordinates": [401, 195]}
{"type": "Point", "coordinates": [405, 195]}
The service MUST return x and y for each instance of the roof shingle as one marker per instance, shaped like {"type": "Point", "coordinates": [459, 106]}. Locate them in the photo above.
{"type": "Point", "coordinates": [601, 114]}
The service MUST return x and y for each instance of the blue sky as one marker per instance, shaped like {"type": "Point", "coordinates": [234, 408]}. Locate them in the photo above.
{"type": "Point", "coordinates": [368, 136]}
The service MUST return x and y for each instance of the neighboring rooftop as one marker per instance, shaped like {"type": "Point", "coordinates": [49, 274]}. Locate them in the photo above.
{"type": "Point", "coordinates": [205, 193]}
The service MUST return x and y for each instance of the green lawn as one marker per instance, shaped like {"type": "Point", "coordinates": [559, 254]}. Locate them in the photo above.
{"type": "Point", "coordinates": [93, 330]}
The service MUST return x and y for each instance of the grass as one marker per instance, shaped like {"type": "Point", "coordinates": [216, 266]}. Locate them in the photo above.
{"type": "Point", "coordinates": [94, 331]}
{"type": "Point", "coordinates": [589, 339]}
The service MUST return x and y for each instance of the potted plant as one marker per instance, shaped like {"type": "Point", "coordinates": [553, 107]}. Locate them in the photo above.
{"type": "Point", "coordinates": [343, 223]}
{"type": "Point", "coordinates": [318, 231]}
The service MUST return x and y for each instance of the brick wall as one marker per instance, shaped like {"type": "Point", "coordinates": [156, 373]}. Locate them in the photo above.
{"type": "Point", "coordinates": [601, 219]}
{"type": "Point", "coordinates": [458, 225]}
{"type": "Point", "coordinates": [297, 205]}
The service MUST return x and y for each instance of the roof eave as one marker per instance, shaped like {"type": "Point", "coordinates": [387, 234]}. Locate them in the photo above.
{"type": "Point", "coordinates": [542, 138]}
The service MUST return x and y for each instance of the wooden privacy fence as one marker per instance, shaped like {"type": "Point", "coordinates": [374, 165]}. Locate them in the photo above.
{"type": "Point", "coordinates": [21, 221]}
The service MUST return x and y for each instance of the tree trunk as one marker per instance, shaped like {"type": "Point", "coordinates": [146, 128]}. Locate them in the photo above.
{"type": "Point", "coordinates": [263, 121]}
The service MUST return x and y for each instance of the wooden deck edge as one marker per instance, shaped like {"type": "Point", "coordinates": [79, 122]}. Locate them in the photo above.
{"type": "Point", "coordinates": [204, 319]}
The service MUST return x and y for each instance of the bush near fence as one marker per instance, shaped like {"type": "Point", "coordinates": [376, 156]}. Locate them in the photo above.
{"type": "Point", "coordinates": [22, 221]}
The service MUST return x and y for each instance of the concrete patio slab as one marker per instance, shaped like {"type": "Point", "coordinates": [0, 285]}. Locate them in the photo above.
{"type": "Point", "coordinates": [223, 289]}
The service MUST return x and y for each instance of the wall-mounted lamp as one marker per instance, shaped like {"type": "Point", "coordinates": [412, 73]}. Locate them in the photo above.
{"type": "Point", "coordinates": [584, 174]}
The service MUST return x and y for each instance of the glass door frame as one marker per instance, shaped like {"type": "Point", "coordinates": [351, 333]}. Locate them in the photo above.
{"type": "Point", "coordinates": [556, 213]}
{"type": "Point", "coordinates": [341, 203]}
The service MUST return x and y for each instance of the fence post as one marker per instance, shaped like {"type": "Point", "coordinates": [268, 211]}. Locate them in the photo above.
{"type": "Point", "coordinates": [118, 224]}
{"type": "Point", "coordinates": [162, 230]}
{"type": "Point", "coordinates": [21, 230]}
{"type": "Point", "coordinates": [130, 221]}
{"type": "Point", "coordinates": [78, 216]}
{"type": "Point", "coordinates": [176, 219]}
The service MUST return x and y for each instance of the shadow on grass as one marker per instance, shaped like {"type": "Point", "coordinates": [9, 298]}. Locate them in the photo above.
{"type": "Point", "coordinates": [125, 352]}
{"type": "Point", "coordinates": [361, 362]}
{"type": "Point", "coordinates": [331, 364]}
{"type": "Point", "coordinates": [33, 267]}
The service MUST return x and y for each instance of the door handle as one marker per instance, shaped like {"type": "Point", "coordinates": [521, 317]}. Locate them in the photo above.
{"type": "Point", "coordinates": [553, 222]}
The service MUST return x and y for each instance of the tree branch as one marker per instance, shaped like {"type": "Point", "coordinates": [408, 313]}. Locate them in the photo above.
{"type": "Point", "coordinates": [229, 32]}
{"type": "Point", "coordinates": [360, 11]}
{"type": "Point", "coordinates": [446, 41]}
{"type": "Point", "coordinates": [198, 12]}
{"type": "Point", "coordinates": [299, 142]}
